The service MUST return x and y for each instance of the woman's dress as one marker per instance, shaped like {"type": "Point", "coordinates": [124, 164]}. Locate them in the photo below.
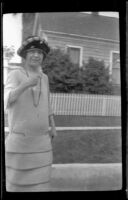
{"type": "Point", "coordinates": [28, 149]}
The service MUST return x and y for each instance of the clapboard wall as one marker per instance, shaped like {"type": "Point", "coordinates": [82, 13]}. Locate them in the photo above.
{"type": "Point", "coordinates": [100, 49]}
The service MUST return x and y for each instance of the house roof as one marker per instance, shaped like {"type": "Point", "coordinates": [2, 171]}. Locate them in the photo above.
{"type": "Point", "coordinates": [81, 24]}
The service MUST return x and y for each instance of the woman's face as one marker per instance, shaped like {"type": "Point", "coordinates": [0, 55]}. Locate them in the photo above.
{"type": "Point", "coordinates": [34, 57]}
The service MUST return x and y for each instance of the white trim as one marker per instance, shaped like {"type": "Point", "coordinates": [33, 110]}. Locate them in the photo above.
{"type": "Point", "coordinates": [82, 36]}
{"type": "Point", "coordinates": [88, 128]}
{"type": "Point", "coordinates": [35, 23]}
{"type": "Point", "coordinates": [81, 128]}
{"type": "Point", "coordinates": [39, 31]}
{"type": "Point", "coordinates": [83, 165]}
{"type": "Point", "coordinates": [111, 55]}
{"type": "Point", "coordinates": [81, 52]}
{"type": "Point", "coordinates": [78, 39]}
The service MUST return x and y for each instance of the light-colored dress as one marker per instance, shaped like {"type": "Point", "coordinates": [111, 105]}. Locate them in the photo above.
{"type": "Point", "coordinates": [28, 149]}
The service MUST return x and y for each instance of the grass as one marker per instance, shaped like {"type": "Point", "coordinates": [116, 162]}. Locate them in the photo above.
{"type": "Point", "coordinates": [87, 147]}
{"type": "Point", "coordinates": [92, 146]}
{"type": "Point", "coordinates": [64, 120]}
{"type": "Point", "coordinates": [70, 120]}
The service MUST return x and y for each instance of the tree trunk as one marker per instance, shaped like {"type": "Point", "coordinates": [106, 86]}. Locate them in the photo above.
{"type": "Point", "coordinates": [28, 23]}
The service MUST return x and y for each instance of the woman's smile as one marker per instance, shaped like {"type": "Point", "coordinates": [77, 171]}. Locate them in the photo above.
{"type": "Point", "coordinates": [35, 60]}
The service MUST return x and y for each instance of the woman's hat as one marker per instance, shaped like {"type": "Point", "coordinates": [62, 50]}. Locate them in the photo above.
{"type": "Point", "coordinates": [33, 42]}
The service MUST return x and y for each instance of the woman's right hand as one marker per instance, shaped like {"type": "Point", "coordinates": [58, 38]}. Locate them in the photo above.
{"type": "Point", "coordinates": [32, 81]}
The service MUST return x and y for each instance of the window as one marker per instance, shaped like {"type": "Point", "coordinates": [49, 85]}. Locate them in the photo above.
{"type": "Point", "coordinates": [75, 54]}
{"type": "Point", "coordinates": [115, 67]}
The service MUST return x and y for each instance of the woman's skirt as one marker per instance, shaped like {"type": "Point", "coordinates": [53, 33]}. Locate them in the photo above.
{"type": "Point", "coordinates": [28, 169]}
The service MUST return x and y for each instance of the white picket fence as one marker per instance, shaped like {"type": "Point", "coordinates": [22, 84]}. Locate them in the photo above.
{"type": "Point", "coordinates": [83, 104]}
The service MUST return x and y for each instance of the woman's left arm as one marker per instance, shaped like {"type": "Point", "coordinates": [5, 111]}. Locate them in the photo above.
{"type": "Point", "coordinates": [53, 127]}
{"type": "Point", "coordinates": [51, 117]}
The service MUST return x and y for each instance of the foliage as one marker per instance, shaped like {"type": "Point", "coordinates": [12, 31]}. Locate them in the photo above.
{"type": "Point", "coordinates": [64, 76]}
{"type": "Point", "coordinates": [8, 52]}
{"type": "Point", "coordinates": [96, 77]}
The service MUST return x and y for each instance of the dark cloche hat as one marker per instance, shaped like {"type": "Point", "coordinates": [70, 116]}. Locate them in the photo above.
{"type": "Point", "coordinates": [33, 42]}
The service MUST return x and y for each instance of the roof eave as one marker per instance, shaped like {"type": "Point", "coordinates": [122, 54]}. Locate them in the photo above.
{"type": "Point", "coordinates": [80, 36]}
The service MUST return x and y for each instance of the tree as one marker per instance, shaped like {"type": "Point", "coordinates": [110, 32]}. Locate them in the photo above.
{"type": "Point", "coordinates": [63, 74]}
{"type": "Point", "coordinates": [8, 52]}
{"type": "Point", "coordinates": [96, 77]}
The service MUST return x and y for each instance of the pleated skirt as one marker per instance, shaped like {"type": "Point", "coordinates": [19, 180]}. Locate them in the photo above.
{"type": "Point", "coordinates": [28, 170]}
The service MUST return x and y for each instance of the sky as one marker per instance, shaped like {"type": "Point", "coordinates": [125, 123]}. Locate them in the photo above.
{"type": "Point", "coordinates": [108, 14]}
{"type": "Point", "coordinates": [12, 29]}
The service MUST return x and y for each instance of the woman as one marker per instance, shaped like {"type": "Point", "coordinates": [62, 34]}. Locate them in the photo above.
{"type": "Point", "coordinates": [28, 146]}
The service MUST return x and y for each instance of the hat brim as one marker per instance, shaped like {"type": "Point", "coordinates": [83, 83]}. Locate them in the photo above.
{"type": "Point", "coordinates": [33, 43]}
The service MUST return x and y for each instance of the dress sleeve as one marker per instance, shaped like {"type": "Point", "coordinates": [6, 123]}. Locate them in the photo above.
{"type": "Point", "coordinates": [50, 111]}
{"type": "Point", "coordinates": [11, 83]}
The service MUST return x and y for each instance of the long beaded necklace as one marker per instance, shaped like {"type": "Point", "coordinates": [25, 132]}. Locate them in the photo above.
{"type": "Point", "coordinates": [32, 91]}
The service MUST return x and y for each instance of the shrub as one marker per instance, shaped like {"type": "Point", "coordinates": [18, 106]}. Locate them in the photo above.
{"type": "Point", "coordinates": [64, 76]}
{"type": "Point", "coordinates": [8, 52]}
{"type": "Point", "coordinates": [96, 77]}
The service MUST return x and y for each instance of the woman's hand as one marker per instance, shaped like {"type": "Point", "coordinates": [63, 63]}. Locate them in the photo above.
{"type": "Point", "coordinates": [53, 128]}
{"type": "Point", "coordinates": [32, 81]}
{"type": "Point", "coordinates": [53, 132]}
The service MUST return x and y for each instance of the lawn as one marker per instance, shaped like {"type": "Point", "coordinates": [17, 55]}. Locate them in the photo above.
{"type": "Point", "coordinates": [64, 120]}
{"type": "Point", "coordinates": [87, 147]}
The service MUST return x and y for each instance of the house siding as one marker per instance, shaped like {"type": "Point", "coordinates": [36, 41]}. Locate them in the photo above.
{"type": "Point", "coordinates": [99, 49]}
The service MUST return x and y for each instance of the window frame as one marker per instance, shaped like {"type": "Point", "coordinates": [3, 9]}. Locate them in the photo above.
{"type": "Point", "coordinates": [81, 52]}
{"type": "Point", "coordinates": [111, 57]}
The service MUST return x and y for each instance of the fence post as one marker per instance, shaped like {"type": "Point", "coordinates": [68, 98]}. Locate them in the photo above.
{"type": "Point", "coordinates": [104, 106]}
